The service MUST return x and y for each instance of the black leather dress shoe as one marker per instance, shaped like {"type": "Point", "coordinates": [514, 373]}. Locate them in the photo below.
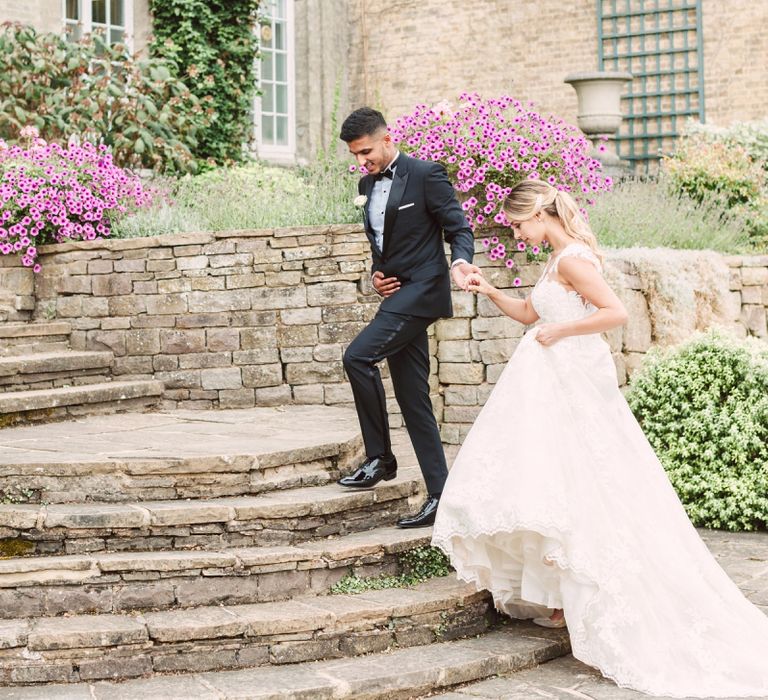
{"type": "Point", "coordinates": [371, 472]}
{"type": "Point", "coordinates": [425, 517]}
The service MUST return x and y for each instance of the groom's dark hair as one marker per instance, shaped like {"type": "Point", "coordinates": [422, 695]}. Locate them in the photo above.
{"type": "Point", "coordinates": [362, 122]}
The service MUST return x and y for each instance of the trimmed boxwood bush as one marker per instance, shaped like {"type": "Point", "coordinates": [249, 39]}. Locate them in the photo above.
{"type": "Point", "coordinates": [704, 408]}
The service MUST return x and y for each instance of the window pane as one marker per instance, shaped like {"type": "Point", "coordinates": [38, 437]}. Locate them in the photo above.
{"type": "Point", "coordinates": [279, 37]}
{"type": "Point", "coordinates": [73, 9]}
{"type": "Point", "coordinates": [266, 66]}
{"type": "Point", "coordinates": [267, 101]}
{"type": "Point", "coordinates": [281, 67]}
{"type": "Point", "coordinates": [74, 32]}
{"type": "Point", "coordinates": [267, 130]}
{"type": "Point", "coordinates": [115, 36]}
{"type": "Point", "coordinates": [282, 99]}
{"type": "Point", "coordinates": [116, 13]}
{"type": "Point", "coordinates": [279, 9]}
{"type": "Point", "coordinates": [265, 38]}
{"type": "Point", "coordinates": [281, 136]}
{"type": "Point", "coordinates": [99, 11]}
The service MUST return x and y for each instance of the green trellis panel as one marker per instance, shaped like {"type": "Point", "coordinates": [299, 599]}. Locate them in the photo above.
{"type": "Point", "coordinates": [660, 43]}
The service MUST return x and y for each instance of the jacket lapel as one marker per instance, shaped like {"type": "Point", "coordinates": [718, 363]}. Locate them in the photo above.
{"type": "Point", "coordinates": [395, 197]}
{"type": "Point", "coordinates": [366, 219]}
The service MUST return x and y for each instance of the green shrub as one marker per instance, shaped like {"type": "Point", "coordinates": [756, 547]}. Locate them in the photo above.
{"type": "Point", "coordinates": [646, 213]}
{"type": "Point", "coordinates": [751, 136]}
{"type": "Point", "coordinates": [730, 165]}
{"type": "Point", "coordinates": [97, 93]}
{"type": "Point", "coordinates": [704, 408]}
{"type": "Point", "coordinates": [211, 44]}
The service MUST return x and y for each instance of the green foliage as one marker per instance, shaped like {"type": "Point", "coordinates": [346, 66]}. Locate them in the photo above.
{"type": "Point", "coordinates": [730, 165]}
{"type": "Point", "coordinates": [17, 494]}
{"type": "Point", "coordinates": [99, 94]}
{"type": "Point", "coordinates": [647, 213]}
{"type": "Point", "coordinates": [417, 565]}
{"type": "Point", "coordinates": [250, 196]}
{"type": "Point", "coordinates": [211, 44]}
{"type": "Point", "coordinates": [751, 136]}
{"type": "Point", "coordinates": [704, 408]}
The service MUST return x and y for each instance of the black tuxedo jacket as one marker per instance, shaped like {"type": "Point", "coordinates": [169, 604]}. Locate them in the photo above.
{"type": "Point", "coordinates": [422, 208]}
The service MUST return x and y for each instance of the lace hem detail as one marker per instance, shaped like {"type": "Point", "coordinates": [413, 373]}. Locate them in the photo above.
{"type": "Point", "coordinates": [582, 649]}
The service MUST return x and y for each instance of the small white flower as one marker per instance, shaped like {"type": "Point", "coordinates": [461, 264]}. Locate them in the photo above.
{"type": "Point", "coordinates": [360, 200]}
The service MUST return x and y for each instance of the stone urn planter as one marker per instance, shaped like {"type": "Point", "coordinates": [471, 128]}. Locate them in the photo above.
{"type": "Point", "coordinates": [599, 111]}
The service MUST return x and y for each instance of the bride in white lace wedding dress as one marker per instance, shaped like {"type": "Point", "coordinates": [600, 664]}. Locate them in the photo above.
{"type": "Point", "coordinates": [558, 506]}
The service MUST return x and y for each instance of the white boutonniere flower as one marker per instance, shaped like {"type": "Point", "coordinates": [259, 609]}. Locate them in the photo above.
{"type": "Point", "coordinates": [360, 200]}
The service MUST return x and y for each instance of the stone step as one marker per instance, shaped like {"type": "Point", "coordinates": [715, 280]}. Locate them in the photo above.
{"type": "Point", "coordinates": [21, 338]}
{"type": "Point", "coordinates": [51, 404]}
{"type": "Point", "coordinates": [277, 517]}
{"type": "Point", "coordinates": [121, 582]}
{"type": "Point", "coordinates": [178, 454]}
{"type": "Point", "coordinates": [397, 674]}
{"type": "Point", "coordinates": [51, 369]}
{"type": "Point", "coordinates": [92, 647]}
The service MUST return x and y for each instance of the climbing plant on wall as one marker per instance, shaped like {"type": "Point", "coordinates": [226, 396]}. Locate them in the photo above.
{"type": "Point", "coordinates": [212, 46]}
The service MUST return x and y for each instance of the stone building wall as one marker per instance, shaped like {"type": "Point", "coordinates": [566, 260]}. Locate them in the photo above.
{"type": "Point", "coordinates": [403, 53]}
{"type": "Point", "coordinates": [247, 318]}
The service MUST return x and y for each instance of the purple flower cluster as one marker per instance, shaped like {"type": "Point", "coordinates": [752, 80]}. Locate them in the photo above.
{"type": "Point", "coordinates": [50, 194]}
{"type": "Point", "coordinates": [488, 146]}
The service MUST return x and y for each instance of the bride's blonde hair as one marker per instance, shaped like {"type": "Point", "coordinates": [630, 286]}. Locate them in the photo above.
{"type": "Point", "coordinates": [530, 197]}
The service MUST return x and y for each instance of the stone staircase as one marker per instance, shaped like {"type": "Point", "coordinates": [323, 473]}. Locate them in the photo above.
{"type": "Point", "coordinates": [41, 378]}
{"type": "Point", "coordinates": [205, 545]}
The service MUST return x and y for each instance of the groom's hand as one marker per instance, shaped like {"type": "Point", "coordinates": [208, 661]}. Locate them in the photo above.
{"type": "Point", "coordinates": [460, 271]}
{"type": "Point", "coordinates": [385, 286]}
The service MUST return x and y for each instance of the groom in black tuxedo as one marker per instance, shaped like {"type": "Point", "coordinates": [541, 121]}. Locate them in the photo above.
{"type": "Point", "coordinates": [409, 207]}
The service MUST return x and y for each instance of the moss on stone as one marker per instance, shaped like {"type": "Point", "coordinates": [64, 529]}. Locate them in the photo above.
{"type": "Point", "coordinates": [15, 547]}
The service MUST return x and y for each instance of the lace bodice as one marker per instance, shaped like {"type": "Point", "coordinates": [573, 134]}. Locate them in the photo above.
{"type": "Point", "coordinates": [552, 301]}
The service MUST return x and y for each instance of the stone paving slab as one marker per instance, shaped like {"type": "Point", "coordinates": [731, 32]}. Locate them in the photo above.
{"type": "Point", "coordinates": [171, 435]}
{"type": "Point", "coordinates": [390, 675]}
{"type": "Point", "coordinates": [562, 679]}
{"type": "Point", "coordinates": [179, 455]}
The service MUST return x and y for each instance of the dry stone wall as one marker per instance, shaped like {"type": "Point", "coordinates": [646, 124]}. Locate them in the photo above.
{"type": "Point", "coordinates": [244, 318]}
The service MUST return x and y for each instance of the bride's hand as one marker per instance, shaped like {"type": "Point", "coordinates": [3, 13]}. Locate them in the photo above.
{"type": "Point", "coordinates": [549, 333]}
{"type": "Point", "coordinates": [475, 282]}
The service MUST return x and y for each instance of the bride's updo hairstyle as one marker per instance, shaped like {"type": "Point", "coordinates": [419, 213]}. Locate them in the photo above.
{"type": "Point", "coordinates": [530, 197]}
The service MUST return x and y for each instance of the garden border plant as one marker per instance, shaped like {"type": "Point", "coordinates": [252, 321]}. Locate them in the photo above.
{"type": "Point", "coordinates": [487, 146]}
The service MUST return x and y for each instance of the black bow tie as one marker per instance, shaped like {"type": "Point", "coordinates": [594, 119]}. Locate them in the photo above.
{"type": "Point", "coordinates": [389, 172]}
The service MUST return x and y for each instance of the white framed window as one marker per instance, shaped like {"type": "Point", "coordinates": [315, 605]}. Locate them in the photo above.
{"type": "Point", "coordinates": [113, 19]}
{"type": "Point", "coordinates": [275, 108]}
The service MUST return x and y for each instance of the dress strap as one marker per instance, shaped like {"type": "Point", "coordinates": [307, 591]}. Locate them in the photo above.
{"type": "Point", "coordinates": [576, 250]}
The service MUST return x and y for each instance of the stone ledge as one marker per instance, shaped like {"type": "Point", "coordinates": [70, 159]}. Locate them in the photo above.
{"type": "Point", "coordinates": [53, 361]}
{"type": "Point", "coordinates": [382, 675]}
{"type": "Point", "coordinates": [27, 401]}
{"type": "Point", "coordinates": [279, 517]}
{"type": "Point", "coordinates": [35, 330]}
{"type": "Point", "coordinates": [308, 628]}
{"type": "Point", "coordinates": [125, 581]}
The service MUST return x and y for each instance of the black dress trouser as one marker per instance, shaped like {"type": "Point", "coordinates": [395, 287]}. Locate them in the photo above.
{"type": "Point", "coordinates": [402, 340]}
